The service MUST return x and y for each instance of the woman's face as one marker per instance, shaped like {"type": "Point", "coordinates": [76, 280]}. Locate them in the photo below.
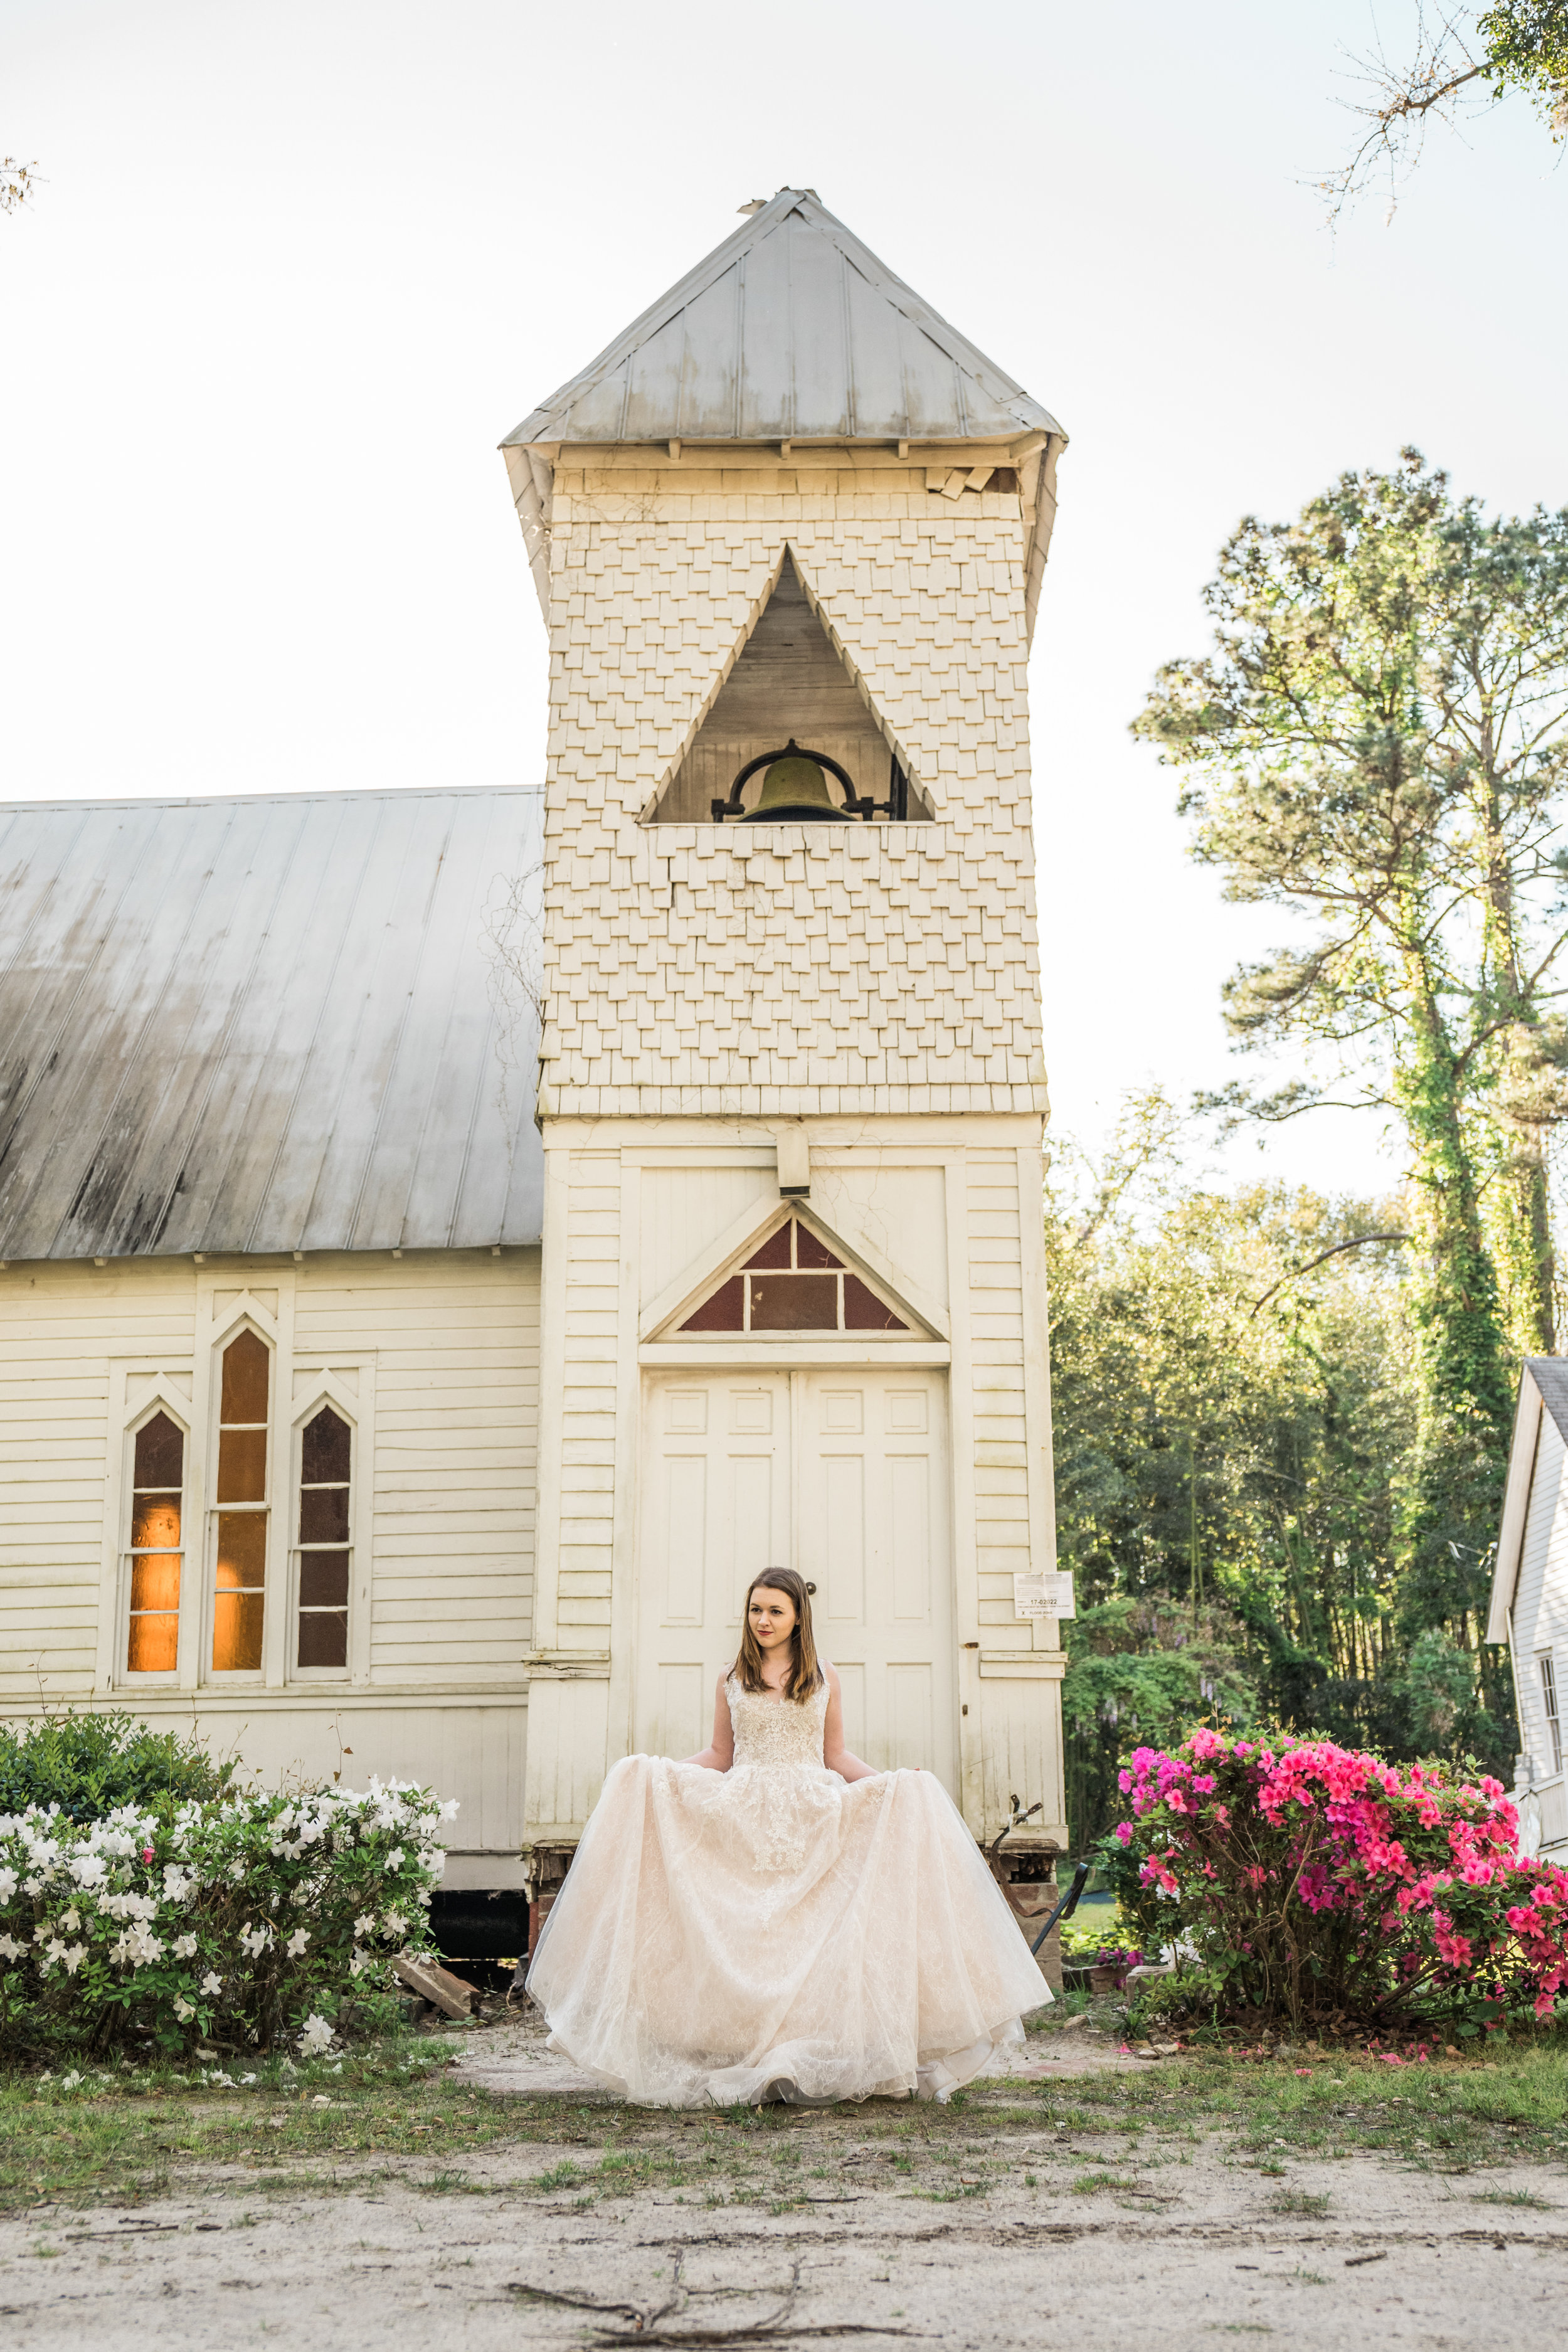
{"type": "Point", "coordinates": [772, 1616]}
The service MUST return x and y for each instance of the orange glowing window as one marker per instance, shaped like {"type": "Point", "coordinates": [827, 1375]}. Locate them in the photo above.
{"type": "Point", "coordinates": [240, 1595]}
{"type": "Point", "coordinates": [325, 1455]}
{"type": "Point", "coordinates": [794, 1283]}
{"type": "Point", "coordinates": [157, 1482]}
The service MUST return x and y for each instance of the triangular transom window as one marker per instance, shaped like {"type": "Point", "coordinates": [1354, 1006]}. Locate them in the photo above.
{"type": "Point", "coordinates": [792, 1282]}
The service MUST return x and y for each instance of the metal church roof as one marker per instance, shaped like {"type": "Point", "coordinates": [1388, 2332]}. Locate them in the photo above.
{"type": "Point", "coordinates": [267, 1024]}
{"type": "Point", "coordinates": [792, 328]}
{"type": "Point", "coordinates": [792, 331]}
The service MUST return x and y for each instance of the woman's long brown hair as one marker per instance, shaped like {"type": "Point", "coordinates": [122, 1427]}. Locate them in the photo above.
{"type": "Point", "coordinates": [808, 1674]}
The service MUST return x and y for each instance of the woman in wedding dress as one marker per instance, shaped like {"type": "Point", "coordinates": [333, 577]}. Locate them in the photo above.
{"type": "Point", "coordinates": [772, 1919]}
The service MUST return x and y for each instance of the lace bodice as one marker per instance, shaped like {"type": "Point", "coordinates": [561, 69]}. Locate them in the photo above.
{"type": "Point", "coordinates": [777, 1731]}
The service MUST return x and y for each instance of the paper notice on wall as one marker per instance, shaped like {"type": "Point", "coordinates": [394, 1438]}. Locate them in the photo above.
{"type": "Point", "coordinates": [1044, 1592]}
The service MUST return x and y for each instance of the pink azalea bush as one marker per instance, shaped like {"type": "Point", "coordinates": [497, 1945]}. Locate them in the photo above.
{"type": "Point", "coordinates": [1311, 1883]}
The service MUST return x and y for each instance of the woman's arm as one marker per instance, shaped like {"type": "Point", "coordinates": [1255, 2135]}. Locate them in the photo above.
{"type": "Point", "coordinates": [720, 1754]}
{"type": "Point", "coordinates": [835, 1755]}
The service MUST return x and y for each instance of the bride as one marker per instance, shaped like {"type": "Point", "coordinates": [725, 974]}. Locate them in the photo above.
{"type": "Point", "coordinates": [772, 1919]}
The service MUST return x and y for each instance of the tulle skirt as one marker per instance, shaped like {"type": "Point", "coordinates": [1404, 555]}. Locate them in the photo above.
{"type": "Point", "coordinates": [774, 1932]}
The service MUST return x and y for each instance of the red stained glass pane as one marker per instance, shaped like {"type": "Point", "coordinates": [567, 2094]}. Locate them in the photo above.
{"type": "Point", "coordinates": [324, 1638]}
{"type": "Point", "coordinates": [246, 1368]}
{"type": "Point", "coordinates": [155, 1580]}
{"type": "Point", "coordinates": [810, 1252]}
{"type": "Point", "coordinates": [864, 1311]}
{"type": "Point", "coordinates": [775, 1251]}
{"type": "Point", "coordinates": [323, 1580]}
{"type": "Point", "coordinates": [237, 1633]}
{"type": "Point", "coordinates": [160, 1454]}
{"type": "Point", "coordinates": [155, 1523]}
{"type": "Point", "coordinates": [241, 1465]}
{"type": "Point", "coordinates": [725, 1311]}
{"type": "Point", "coordinates": [241, 1550]}
{"type": "Point", "coordinates": [154, 1645]}
{"type": "Point", "coordinates": [795, 1302]}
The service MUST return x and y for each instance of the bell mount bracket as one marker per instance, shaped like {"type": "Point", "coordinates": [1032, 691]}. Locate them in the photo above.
{"type": "Point", "coordinates": [854, 805]}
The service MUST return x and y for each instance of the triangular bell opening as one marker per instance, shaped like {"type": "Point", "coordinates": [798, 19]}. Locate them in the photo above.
{"type": "Point", "coordinates": [788, 682]}
{"type": "Point", "coordinates": [793, 1279]}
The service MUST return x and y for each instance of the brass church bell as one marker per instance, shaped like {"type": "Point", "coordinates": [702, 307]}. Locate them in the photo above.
{"type": "Point", "coordinates": [794, 791]}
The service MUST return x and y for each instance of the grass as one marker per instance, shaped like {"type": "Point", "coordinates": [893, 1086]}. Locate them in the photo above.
{"type": "Point", "coordinates": [395, 2112]}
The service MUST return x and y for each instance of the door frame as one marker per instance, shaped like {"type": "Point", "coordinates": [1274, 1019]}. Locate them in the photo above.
{"type": "Point", "coordinates": [810, 1357]}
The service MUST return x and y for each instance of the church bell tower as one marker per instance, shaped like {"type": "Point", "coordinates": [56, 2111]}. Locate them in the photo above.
{"type": "Point", "coordinates": [788, 533]}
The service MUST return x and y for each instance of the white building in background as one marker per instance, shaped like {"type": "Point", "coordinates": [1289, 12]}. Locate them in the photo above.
{"type": "Point", "coordinates": [351, 1405]}
{"type": "Point", "coordinates": [1529, 1598]}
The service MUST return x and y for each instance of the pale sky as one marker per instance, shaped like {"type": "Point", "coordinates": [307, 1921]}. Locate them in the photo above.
{"type": "Point", "coordinates": [294, 269]}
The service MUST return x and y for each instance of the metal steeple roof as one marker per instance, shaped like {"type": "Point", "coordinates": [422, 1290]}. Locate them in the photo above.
{"type": "Point", "coordinates": [791, 330]}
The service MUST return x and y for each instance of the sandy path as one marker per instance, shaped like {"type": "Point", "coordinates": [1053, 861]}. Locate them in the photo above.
{"type": "Point", "coordinates": [1194, 2252]}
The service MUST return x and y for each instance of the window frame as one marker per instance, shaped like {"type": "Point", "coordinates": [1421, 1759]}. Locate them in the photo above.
{"type": "Point", "coordinates": [240, 1678]}
{"type": "Point", "coordinates": [134, 1420]}
{"type": "Point", "coordinates": [322, 1388]}
{"type": "Point", "coordinates": [1551, 1703]}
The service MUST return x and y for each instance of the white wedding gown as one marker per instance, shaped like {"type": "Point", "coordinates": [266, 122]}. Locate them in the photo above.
{"type": "Point", "coordinates": [777, 1932]}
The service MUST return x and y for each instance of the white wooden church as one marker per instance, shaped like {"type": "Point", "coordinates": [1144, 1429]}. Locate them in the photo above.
{"type": "Point", "coordinates": [451, 1240]}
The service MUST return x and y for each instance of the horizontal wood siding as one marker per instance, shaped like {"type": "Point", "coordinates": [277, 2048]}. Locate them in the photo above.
{"type": "Point", "coordinates": [456, 1341]}
{"type": "Point", "coordinates": [451, 1341]}
{"type": "Point", "coordinates": [59, 1325]}
{"type": "Point", "coordinates": [592, 1342]}
{"type": "Point", "coordinates": [1001, 1445]}
{"type": "Point", "coordinates": [1540, 1599]}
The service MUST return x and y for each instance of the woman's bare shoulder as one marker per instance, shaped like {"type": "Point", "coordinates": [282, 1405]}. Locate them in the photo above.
{"type": "Point", "coordinates": [831, 1673]}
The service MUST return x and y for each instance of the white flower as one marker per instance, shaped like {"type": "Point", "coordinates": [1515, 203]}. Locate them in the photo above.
{"type": "Point", "coordinates": [450, 1810]}
{"type": "Point", "coordinates": [212, 1982]}
{"type": "Point", "coordinates": [301, 1894]}
{"type": "Point", "coordinates": [184, 1947]}
{"type": "Point", "coordinates": [69, 2082]}
{"type": "Point", "coordinates": [184, 2009]}
{"type": "Point", "coordinates": [86, 1869]}
{"type": "Point", "coordinates": [255, 1939]}
{"type": "Point", "coordinates": [247, 2078]}
{"type": "Point", "coordinates": [177, 1883]}
{"type": "Point", "coordinates": [135, 1948]}
{"type": "Point", "coordinates": [361, 1961]}
{"type": "Point", "coordinates": [73, 1956]}
{"type": "Point", "coordinates": [226, 2079]}
{"type": "Point", "coordinates": [395, 1860]}
{"type": "Point", "coordinates": [316, 2035]}
{"type": "Point", "coordinates": [395, 1924]}
{"type": "Point", "coordinates": [11, 1948]}
{"type": "Point", "coordinates": [295, 1946]}
{"type": "Point", "coordinates": [237, 1868]}
{"type": "Point", "coordinates": [7, 1884]}
{"type": "Point", "coordinates": [70, 1920]}
{"type": "Point", "coordinates": [365, 1924]}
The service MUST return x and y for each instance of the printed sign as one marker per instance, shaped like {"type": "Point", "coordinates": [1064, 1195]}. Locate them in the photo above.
{"type": "Point", "coordinates": [1044, 1592]}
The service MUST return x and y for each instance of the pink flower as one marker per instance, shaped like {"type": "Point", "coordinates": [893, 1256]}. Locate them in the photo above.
{"type": "Point", "coordinates": [146, 1852]}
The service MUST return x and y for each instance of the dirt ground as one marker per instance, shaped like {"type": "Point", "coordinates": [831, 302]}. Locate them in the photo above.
{"type": "Point", "coordinates": [989, 2240]}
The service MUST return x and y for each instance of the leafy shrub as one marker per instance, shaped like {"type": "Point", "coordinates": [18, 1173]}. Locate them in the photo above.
{"type": "Point", "coordinates": [243, 1920]}
{"type": "Point", "coordinates": [89, 1764]}
{"type": "Point", "coordinates": [1316, 1883]}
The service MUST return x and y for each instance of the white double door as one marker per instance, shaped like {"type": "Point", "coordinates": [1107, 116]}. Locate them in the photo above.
{"type": "Point", "coordinates": [840, 1476]}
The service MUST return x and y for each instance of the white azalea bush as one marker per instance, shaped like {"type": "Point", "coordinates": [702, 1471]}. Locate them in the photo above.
{"type": "Point", "coordinates": [258, 1921]}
